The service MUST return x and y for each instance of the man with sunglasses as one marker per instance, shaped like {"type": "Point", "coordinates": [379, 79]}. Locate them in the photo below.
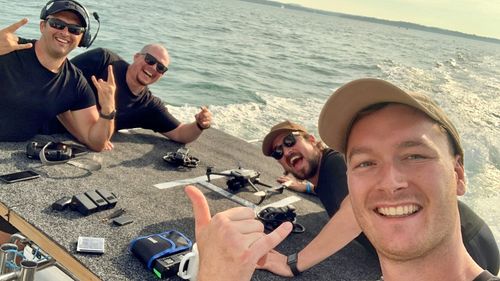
{"type": "Point", "coordinates": [136, 106]}
{"type": "Point", "coordinates": [404, 189]}
{"type": "Point", "coordinates": [300, 154]}
{"type": "Point", "coordinates": [39, 83]}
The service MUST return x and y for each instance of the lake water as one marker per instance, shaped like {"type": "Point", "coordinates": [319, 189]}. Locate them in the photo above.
{"type": "Point", "coordinates": [255, 65]}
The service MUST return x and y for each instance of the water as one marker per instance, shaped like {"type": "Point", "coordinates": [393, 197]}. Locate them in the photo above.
{"type": "Point", "coordinates": [256, 65]}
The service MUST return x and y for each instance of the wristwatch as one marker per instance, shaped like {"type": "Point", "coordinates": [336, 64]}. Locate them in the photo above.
{"type": "Point", "coordinates": [200, 127]}
{"type": "Point", "coordinates": [291, 260]}
{"type": "Point", "coordinates": [109, 116]}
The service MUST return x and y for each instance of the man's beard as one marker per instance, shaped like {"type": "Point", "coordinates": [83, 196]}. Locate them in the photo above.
{"type": "Point", "coordinates": [311, 170]}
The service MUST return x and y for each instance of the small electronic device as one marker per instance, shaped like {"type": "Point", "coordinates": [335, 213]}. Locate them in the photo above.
{"type": "Point", "coordinates": [168, 266]}
{"type": "Point", "coordinates": [152, 247]}
{"type": "Point", "coordinates": [181, 158]}
{"type": "Point", "coordinates": [83, 204]}
{"type": "Point", "coordinates": [61, 204]}
{"type": "Point", "coordinates": [19, 176]}
{"type": "Point", "coordinates": [123, 220]}
{"type": "Point", "coordinates": [109, 197]}
{"type": "Point", "coordinates": [97, 199]}
{"type": "Point", "coordinates": [93, 245]}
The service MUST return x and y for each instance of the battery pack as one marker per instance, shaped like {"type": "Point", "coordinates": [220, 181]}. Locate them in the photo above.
{"type": "Point", "coordinates": [168, 266]}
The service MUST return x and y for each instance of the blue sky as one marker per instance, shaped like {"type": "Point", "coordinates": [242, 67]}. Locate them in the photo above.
{"type": "Point", "coordinates": [480, 17]}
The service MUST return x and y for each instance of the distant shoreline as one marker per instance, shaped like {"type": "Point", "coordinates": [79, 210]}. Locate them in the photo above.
{"type": "Point", "coordinates": [401, 24]}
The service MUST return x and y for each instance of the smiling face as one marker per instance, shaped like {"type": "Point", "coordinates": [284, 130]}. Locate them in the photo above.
{"type": "Point", "coordinates": [59, 43]}
{"type": "Point", "coordinates": [403, 180]}
{"type": "Point", "coordinates": [302, 159]}
{"type": "Point", "coordinates": [144, 74]}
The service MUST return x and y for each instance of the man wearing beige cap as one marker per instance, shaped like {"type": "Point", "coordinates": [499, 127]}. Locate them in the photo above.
{"type": "Point", "coordinates": [405, 170]}
{"type": "Point", "coordinates": [300, 154]}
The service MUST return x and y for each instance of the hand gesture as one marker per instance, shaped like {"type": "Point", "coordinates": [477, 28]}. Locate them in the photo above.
{"type": "Point", "coordinates": [106, 91]}
{"type": "Point", "coordinates": [204, 118]}
{"type": "Point", "coordinates": [292, 183]}
{"type": "Point", "coordinates": [232, 242]}
{"type": "Point", "coordinates": [9, 40]}
{"type": "Point", "coordinates": [276, 263]}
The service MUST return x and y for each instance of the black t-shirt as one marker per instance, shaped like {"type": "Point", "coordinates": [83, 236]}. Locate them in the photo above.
{"type": "Point", "coordinates": [31, 95]}
{"type": "Point", "coordinates": [332, 181]}
{"type": "Point", "coordinates": [144, 110]}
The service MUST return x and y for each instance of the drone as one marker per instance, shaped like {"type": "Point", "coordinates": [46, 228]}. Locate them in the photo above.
{"type": "Point", "coordinates": [181, 158]}
{"type": "Point", "coordinates": [240, 178]}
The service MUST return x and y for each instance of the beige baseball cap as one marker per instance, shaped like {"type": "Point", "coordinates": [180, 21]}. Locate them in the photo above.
{"type": "Point", "coordinates": [340, 110]}
{"type": "Point", "coordinates": [285, 126]}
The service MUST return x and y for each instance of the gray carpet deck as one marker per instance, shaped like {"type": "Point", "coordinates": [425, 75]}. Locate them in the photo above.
{"type": "Point", "coordinates": [130, 171]}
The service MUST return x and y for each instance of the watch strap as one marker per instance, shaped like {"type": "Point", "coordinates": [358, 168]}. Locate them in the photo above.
{"type": "Point", "coordinates": [292, 263]}
{"type": "Point", "coordinates": [109, 116]}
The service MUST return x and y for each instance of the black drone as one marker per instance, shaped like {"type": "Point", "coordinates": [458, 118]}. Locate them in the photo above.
{"type": "Point", "coordinates": [181, 158]}
{"type": "Point", "coordinates": [240, 178]}
{"type": "Point", "coordinates": [273, 217]}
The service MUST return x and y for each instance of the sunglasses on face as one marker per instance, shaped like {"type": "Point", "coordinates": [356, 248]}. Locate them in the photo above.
{"type": "Point", "coordinates": [289, 141]}
{"type": "Point", "coordinates": [160, 67]}
{"type": "Point", "coordinates": [60, 25]}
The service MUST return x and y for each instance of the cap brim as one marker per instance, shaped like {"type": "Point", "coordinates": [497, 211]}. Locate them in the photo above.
{"type": "Point", "coordinates": [267, 143]}
{"type": "Point", "coordinates": [344, 104]}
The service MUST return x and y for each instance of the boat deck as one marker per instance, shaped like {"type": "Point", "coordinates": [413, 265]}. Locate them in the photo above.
{"type": "Point", "coordinates": [131, 171]}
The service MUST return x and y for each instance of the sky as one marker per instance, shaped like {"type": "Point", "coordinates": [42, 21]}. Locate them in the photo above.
{"type": "Point", "coordinates": [479, 17]}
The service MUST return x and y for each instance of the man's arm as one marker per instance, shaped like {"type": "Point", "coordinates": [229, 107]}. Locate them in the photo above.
{"type": "Point", "coordinates": [9, 40]}
{"type": "Point", "coordinates": [185, 133]}
{"type": "Point", "coordinates": [85, 124]}
{"type": "Point", "coordinates": [341, 229]}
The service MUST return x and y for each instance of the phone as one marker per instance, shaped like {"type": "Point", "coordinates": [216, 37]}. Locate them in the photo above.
{"type": "Point", "coordinates": [19, 176]}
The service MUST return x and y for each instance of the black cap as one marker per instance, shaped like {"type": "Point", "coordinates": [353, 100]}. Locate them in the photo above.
{"type": "Point", "coordinates": [57, 6]}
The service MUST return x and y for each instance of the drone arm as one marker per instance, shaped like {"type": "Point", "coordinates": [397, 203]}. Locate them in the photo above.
{"type": "Point", "coordinates": [252, 185]}
{"type": "Point", "coordinates": [257, 181]}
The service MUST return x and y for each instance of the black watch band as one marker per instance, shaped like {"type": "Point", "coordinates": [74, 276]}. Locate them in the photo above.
{"type": "Point", "coordinates": [200, 127]}
{"type": "Point", "coordinates": [109, 116]}
{"type": "Point", "coordinates": [291, 260]}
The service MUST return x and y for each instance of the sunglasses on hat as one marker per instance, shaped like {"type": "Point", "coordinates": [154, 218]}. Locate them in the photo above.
{"type": "Point", "coordinates": [60, 25]}
{"type": "Point", "coordinates": [149, 59]}
{"type": "Point", "coordinates": [289, 141]}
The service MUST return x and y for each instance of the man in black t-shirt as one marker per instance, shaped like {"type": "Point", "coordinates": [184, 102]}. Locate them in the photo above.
{"type": "Point", "coordinates": [38, 82]}
{"type": "Point", "coordinates": [301, 155]}
{"type": "Point", "coordinates": [136, 106]}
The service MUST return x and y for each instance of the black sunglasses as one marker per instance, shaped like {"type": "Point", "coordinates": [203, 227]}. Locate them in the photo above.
{"type": "Point", "coordinates": [288, 141]}
{"type": "Point", "coordinates": [149, 59]}
{"type": "Point", "coordinates": [60, 25]}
